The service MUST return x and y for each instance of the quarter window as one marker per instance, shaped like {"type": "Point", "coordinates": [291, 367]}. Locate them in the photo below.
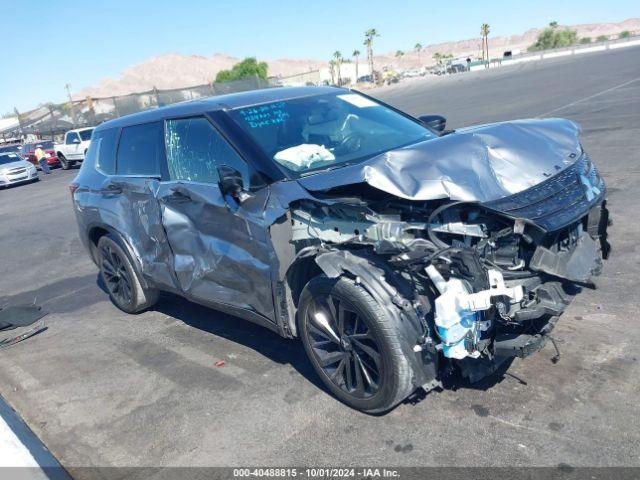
{"type": "Point", "coordinates": [140, 151]}
{"type": "Point", "coordinates": [195, 149]}
{"type": "Point", "coordinates": [102, 150]}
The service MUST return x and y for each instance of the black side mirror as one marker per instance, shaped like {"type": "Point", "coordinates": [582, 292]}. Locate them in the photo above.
{"type": "Point", "coordinates": [436, 122]}
{"type": "Point", "coordinates": [230, 180]}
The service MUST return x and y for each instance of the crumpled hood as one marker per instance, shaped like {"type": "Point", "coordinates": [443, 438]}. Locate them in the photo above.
{"type": "Point", "coordinates": [477, 164]}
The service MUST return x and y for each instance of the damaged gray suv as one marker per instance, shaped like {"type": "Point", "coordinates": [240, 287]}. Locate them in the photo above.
{"type": "Point", "coordinates": [398, 252]}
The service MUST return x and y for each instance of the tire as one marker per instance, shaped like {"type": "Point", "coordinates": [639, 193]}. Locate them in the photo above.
{"type": "Point", "coordinates": [350, 368]}
{"type": "Point", "coordinates": [64, 163]}
{"type": "Point", "coordinates": [121, 279]}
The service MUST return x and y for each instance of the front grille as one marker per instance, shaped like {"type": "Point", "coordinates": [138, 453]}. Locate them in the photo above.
{"type": "Point", "coordinates": [554, 203]}
{"type": "Point", "coordinates": [17, 171]}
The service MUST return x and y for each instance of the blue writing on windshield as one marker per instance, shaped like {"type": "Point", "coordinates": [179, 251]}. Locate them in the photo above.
{"type": "Point", "coordinates": [265, 115]}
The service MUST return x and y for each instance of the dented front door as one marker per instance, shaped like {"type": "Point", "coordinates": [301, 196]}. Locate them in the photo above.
{"type": "Point", "coordinates": [220, 254]}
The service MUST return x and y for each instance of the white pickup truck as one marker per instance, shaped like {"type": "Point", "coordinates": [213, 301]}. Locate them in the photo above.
{"type": "Point", "coordinates": [74, 147]}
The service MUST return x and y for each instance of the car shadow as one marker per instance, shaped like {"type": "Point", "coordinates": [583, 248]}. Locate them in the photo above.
{"type": "Point", "coordinates": [291, 352]}
{"type": "Point", "coordinates": [453, 381]}
{"type": "Point", "coordinates": [260, 339]}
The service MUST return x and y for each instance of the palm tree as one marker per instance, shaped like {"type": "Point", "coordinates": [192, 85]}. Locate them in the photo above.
{"type": "Point", "coordinates": [418, 48]}
{"type": "Point", "coordinates": [484, 32]}
{"type": "Point", "coordinates": [369, 35]}
{"type": "Point", "coordinates": [332, 71]}
{"type": "Point", "coordinates": [356, 55]}
{"type": "Point", "coordinates": [338, 59]}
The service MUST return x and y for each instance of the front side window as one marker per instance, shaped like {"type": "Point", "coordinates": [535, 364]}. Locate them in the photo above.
{"type": "Point", "coordinates": [140, 151]}
{"type": "Point", "coordinates": [195, 149]}
{"type": "Point", "coordinates": [308, 134]}
{"type": "Point", "coordinates": [71, 137]}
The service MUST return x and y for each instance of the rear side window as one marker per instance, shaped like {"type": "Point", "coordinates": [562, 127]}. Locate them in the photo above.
{"type": "Point", "coordinates": [195, 149]}
{"type": "Point", "coordinates": [86, 134]}
{"type": "Point", "coordinates": [141, 150]}
{"type": "Point", "coordinates": [102, 151]}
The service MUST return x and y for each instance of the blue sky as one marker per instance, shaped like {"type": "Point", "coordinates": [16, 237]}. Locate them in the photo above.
{"type": "Point", "coordinates": [81, 42]}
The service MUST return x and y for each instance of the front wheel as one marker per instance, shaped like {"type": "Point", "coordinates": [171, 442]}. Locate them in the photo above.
{"type": "Point", "coordinates": [64, 163]}
{"type": "Point", "coordinates": [120, 278]}
{"type": "Point", "coordinates": [353, 345]}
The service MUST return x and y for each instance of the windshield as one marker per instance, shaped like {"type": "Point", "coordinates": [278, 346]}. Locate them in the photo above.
{"type": "Point", "coordinates": [9, 158]}
{"type": "Point", "coordinates": [85, 134]}
{"type": "Point", "coordinates": [309, 134]}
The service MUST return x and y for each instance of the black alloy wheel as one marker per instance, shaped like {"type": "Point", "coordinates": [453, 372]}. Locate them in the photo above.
{"type": "Point", "coordinates": [344, 347]}
{"type": "Point", "coordinates": [116, 276]}
{"type": "Point", "coordinates": [353, 344]}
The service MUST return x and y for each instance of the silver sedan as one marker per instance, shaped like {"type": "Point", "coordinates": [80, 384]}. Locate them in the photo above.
{"type": "Point", "coordinates": [15, 170]}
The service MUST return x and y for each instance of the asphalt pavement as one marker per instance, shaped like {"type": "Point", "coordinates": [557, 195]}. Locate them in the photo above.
{"type": "Point", "coordinates": [102, 388]}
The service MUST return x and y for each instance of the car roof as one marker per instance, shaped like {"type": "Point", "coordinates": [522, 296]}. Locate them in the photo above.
{"type": "Point", "coordinates": [80, 129]}
{"type": "Point", "coordinates": [220, 102]}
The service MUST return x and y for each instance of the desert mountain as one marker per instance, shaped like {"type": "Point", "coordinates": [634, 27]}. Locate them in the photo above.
{"type": "Point", "coordinates": [174, 70]}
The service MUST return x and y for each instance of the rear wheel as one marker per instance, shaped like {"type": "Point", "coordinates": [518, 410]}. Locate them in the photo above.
{"type": "Point", "coordinates": [352, 345]}
{"type": "Point", "coordinates": [64, 163]}
{"type": "Point", "coordinates": [121, 280]}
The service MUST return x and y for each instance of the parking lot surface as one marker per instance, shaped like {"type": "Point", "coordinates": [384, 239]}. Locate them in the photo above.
{"type": "Point", "coordinates": [102, 388]}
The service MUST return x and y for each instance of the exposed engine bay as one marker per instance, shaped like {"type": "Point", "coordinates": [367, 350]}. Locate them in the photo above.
{"type": "Point", "coordinates": [487, 281]}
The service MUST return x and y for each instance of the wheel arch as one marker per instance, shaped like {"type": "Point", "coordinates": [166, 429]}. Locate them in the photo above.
{"type": "Point", "coordinates": [394, 294]}
{"type": "Point", "coordinates": [96, 231]}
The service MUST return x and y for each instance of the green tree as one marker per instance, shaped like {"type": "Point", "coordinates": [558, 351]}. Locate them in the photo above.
{"type": "Point", "coordinates": [369, 35]}
{"type": "Point", "coordinates": [418, 49]}
{"type": "Point", "coordinates": [399, 54]}
{"type": "Point", "coordinates": [624, 34]}
{"type": "Point", "coordinates": [554, 37]}
{"type": "Point", "coordinates": [602, 38]}
{"type": "Point", "coordinates": [585, 40]}
{"type": "Point", "coordinates": [249, 67]}
{"type": "Point", "coordinates": [356, 55]}
{"type": "Point", "coordinates": [553, 24]}
{"type": "Point", "coordinates": [438, 58]}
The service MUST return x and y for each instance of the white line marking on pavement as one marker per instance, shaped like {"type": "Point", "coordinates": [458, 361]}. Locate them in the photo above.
{"type": "Point", "coordinates": [588, 98]}
{"type": "Point", "coordinates": [22, 454]}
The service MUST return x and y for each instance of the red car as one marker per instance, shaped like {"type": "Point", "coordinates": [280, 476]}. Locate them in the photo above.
{"type": "Point", "coordinates": [28, 153]}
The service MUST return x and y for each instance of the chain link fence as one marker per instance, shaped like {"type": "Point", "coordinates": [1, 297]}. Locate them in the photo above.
{"type": "Point", "coordinates": [52, 120]}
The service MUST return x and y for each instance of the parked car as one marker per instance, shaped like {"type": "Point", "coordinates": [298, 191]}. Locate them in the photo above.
{"type": "Point", "coordinates": [15, 170]}
{"type": "Point", "coordinates": [12, 148]}
{"type": "Point", "coordinates": [396, 251]}
{"type": "Point", "coordinates": [74, 147]}
{"type": "Point", "coordinates": [28, 153]}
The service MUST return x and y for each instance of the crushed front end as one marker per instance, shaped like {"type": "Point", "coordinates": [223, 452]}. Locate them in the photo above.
{"type": "Point", "coordinates": [478, 282]}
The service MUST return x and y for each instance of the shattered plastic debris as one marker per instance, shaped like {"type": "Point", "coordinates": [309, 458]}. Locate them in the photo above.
{"type": "Point", "coordinates": [220, 363]}
{"type": "Point", "coordinates": [26, 320]}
